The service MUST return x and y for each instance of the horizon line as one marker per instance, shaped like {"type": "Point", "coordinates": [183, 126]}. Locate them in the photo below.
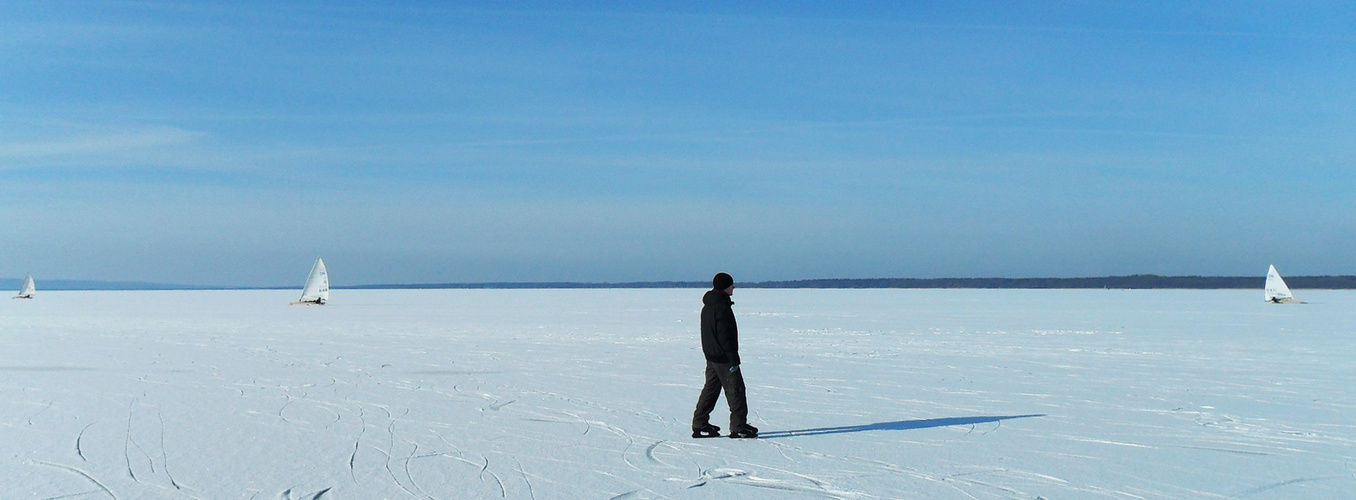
{"type": "Point", "coordinates": [1134, 281]}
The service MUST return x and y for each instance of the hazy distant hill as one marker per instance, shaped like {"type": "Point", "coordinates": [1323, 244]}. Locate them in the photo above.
{"type": "Point", "coordinates": [1144, 281]}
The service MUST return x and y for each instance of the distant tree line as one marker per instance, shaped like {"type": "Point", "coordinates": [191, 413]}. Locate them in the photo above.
{"type": "Point", "coordinates": [1134, 281]}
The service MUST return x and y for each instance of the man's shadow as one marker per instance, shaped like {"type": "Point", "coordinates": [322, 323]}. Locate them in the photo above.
{"type": "Point", "coordinates": [901, 425]}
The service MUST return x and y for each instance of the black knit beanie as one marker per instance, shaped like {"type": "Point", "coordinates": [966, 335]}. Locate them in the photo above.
{"type": "Point", "coordinates": [722, 281]}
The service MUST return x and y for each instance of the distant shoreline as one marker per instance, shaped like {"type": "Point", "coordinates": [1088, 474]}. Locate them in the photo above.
{"type": "Point", "coordinates": [1139, 281]}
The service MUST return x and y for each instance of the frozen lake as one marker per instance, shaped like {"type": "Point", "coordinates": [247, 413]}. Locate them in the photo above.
{"type": "Point", "coordinates": [545, 394]}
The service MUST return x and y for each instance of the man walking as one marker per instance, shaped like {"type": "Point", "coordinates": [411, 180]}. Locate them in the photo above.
{"type": "Point", "coordinates": [720, 344]}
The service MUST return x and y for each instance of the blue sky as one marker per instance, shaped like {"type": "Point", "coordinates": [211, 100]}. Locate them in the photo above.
{"type": "Point", "coordinates": [412, 142]}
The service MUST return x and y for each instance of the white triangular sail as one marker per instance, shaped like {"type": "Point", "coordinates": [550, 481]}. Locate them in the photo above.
{"type": "Point", "coordinates": [317, 289]}
{"type": "Point", "coordinates": [1276, 291]}
{"type": "Point", "coordinates": [26, 291]}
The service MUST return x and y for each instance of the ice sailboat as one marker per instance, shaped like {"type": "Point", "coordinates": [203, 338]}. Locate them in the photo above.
{"type": "Point", "coordinates": [1276, 291]}
{"type": "Point", "coordinates": [317, 289]}
{"type": "Point", "coordinates": [26, 291]}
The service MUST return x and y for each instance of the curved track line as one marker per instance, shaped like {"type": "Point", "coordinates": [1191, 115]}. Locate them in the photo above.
{"type": "Point", "coordinates": [127, 442]}
{"type": "Point", "coordinates": [407, 470]}
{"type": "Point", "coordinates": [164, 456]}
{"type": "Point", "coordinates": [531, 494]}
{"type": "Point", "coordinates": [486, 468]}
{"type": "Point", "coordinates": [1269, 487]}
{"type": "Point", "coordinates": [81, 473]}
{"type": "Point", "coordinates": [356, 441]}
{"type": "Point", "coordinates": [390, 451]}
{"type": "Point", "coordinates": [72, 495]}
{"type": "Point", "coordinates": [78, 452]}
{"type": "Point", "coordinates": [289, 402]}
{"type": "Point", "coordinates": [649, 453]}
{"type": "Point", "coordinates": [30, 418]}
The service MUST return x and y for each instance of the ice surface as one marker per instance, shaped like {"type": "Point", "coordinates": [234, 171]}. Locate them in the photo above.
{"type": "Point", "coordinates": [544, 394]}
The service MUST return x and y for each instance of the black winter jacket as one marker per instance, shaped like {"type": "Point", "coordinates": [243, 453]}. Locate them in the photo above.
{"type": "Point", "coordinates": [720, 334]}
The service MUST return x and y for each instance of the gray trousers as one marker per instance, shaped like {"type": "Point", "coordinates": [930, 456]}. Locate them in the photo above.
{"type": "Point", "coordinates": [718, 376]}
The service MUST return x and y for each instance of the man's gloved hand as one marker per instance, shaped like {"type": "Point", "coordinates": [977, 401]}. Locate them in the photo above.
{"type": "Point", "coordinates": [734, 369]}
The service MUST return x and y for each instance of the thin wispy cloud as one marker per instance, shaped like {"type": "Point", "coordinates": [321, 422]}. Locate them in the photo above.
{"type": "Point", "coordinates": [121, 142]}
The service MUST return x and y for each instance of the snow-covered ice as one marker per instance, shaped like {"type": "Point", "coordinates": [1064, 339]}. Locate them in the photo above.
{"type": "Point", "coordinates": [544, 394]}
